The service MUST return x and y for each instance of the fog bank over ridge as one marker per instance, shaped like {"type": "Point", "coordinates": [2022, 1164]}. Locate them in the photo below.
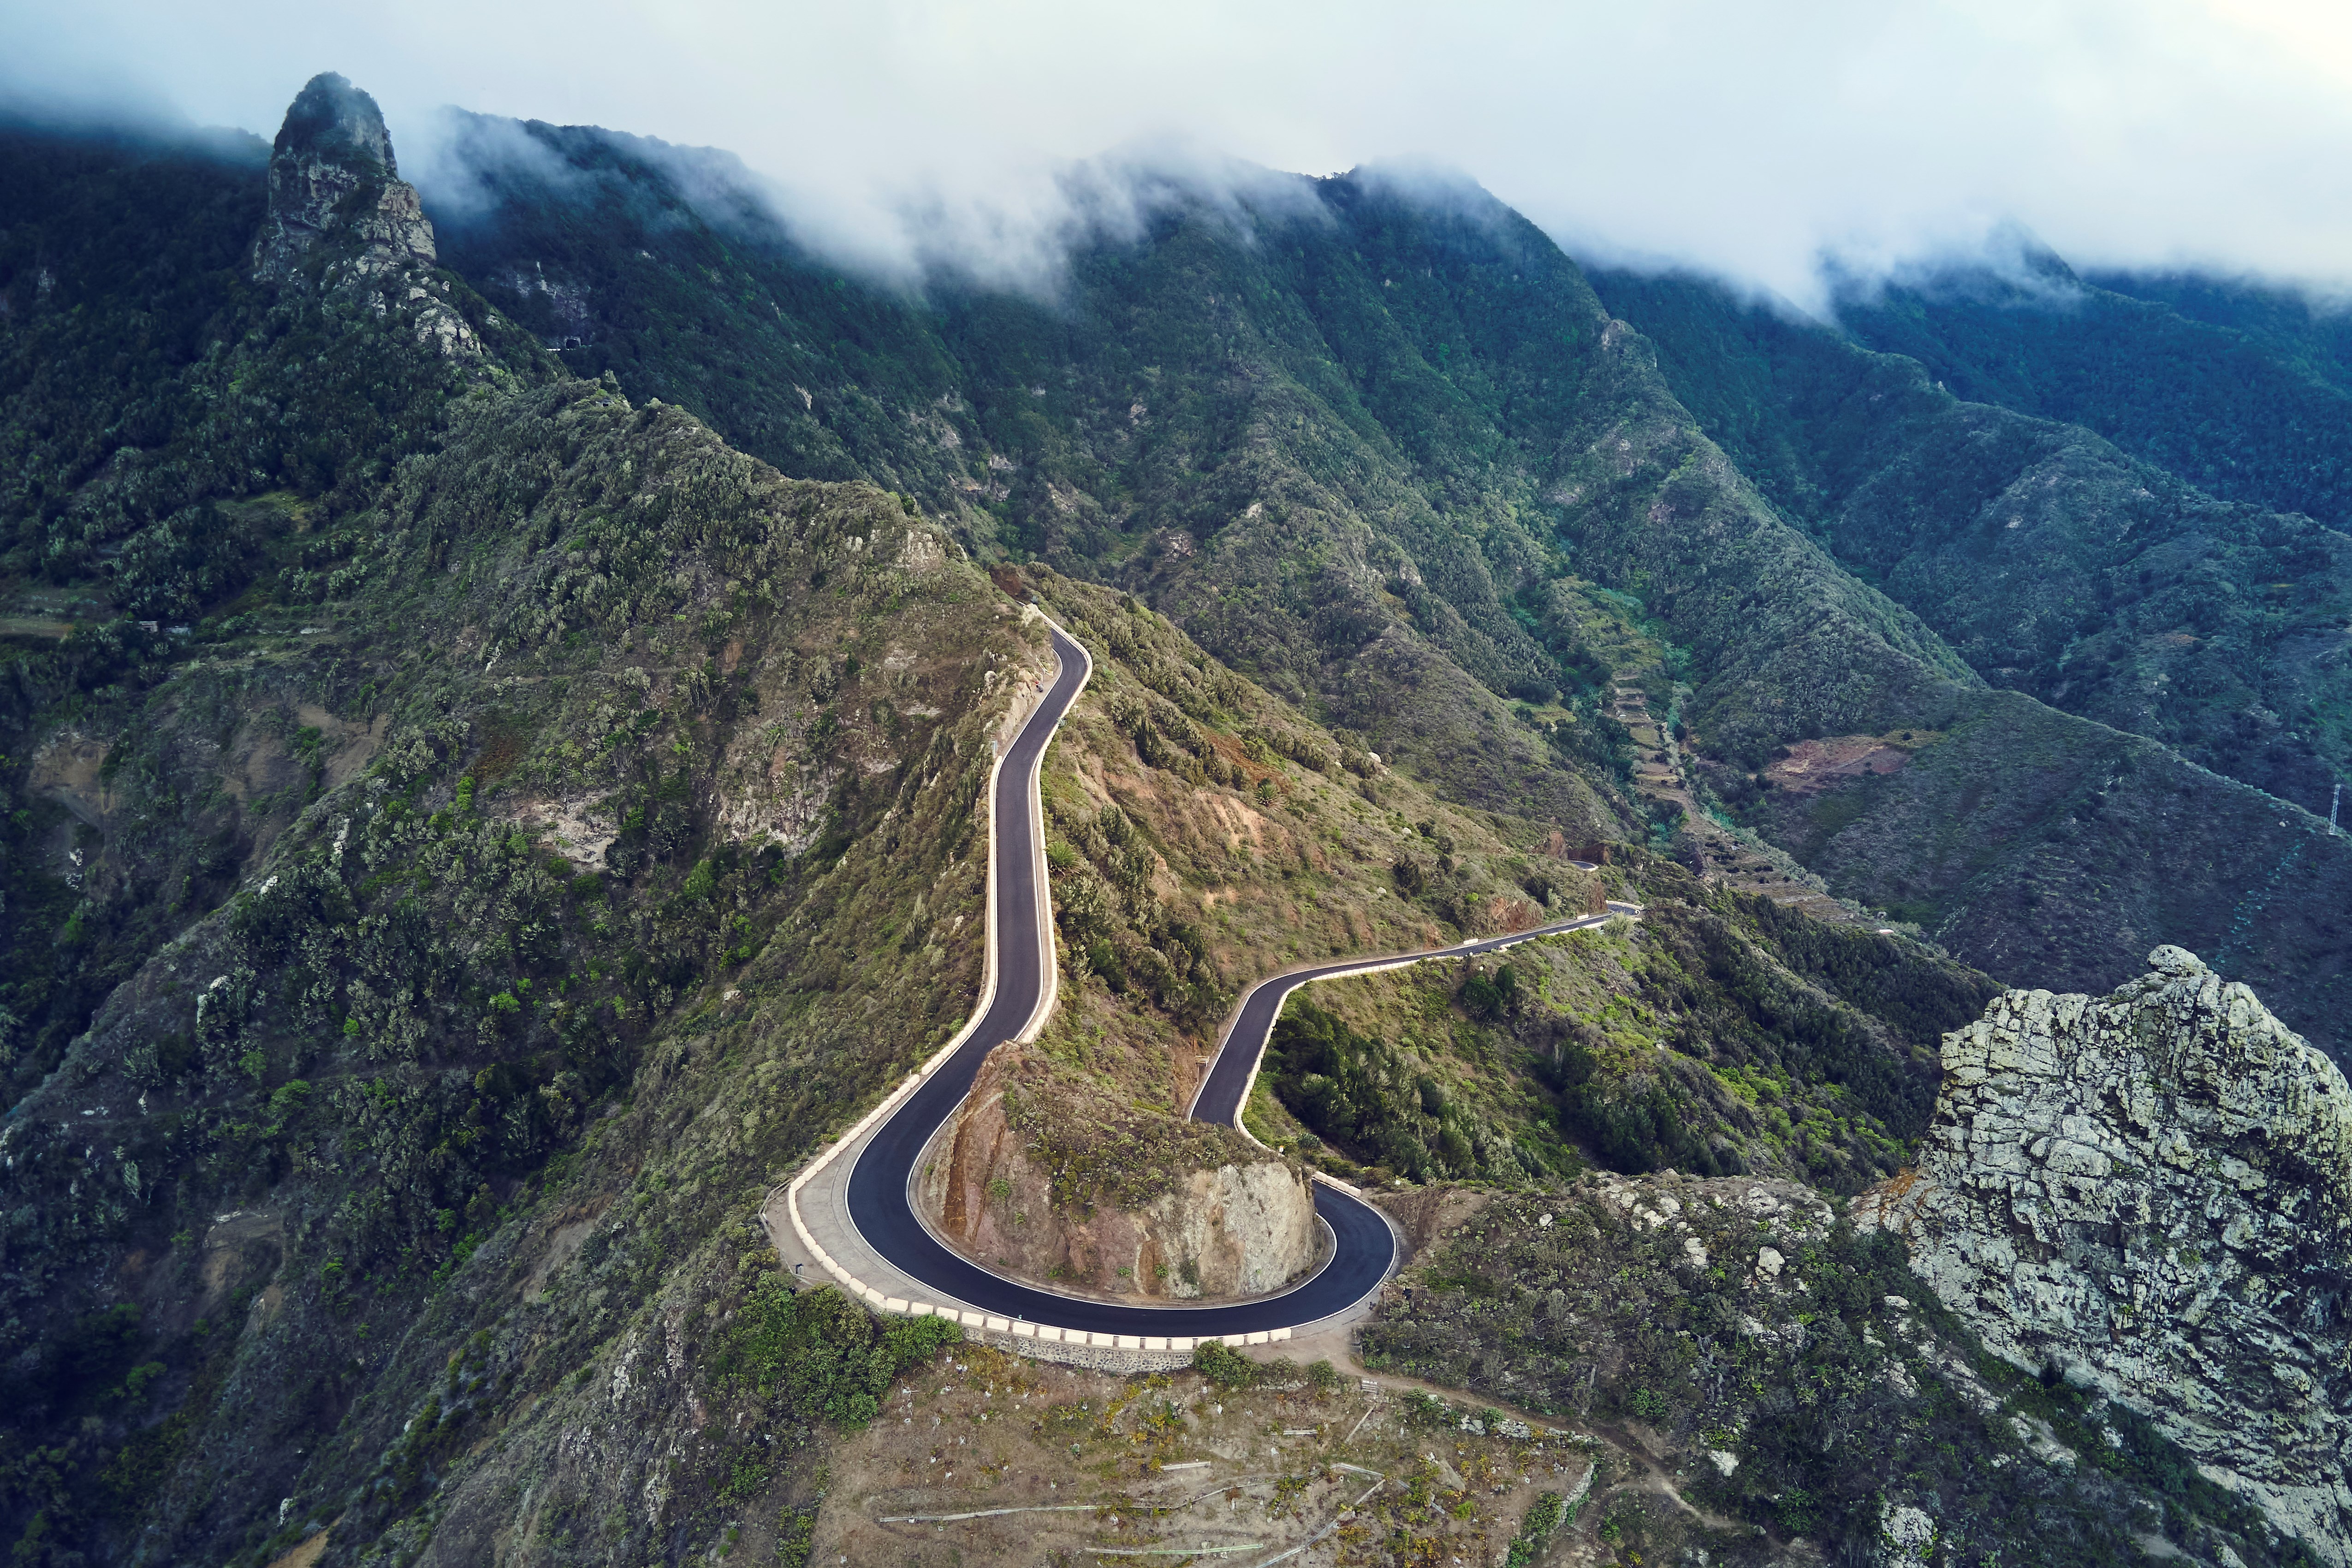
{"type": "Point", "coordinates": [1707, 136]}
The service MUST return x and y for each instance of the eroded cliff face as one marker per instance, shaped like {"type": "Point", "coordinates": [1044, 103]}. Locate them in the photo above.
{"type": "Point", "coordinates": [1221, 1218]}
{"type": "Point", "coordinates": [2152, 1189]}
{"type": "Point", "coordinates": [331, 173]}
{"type": "Point", "coordinates": [343, 221]}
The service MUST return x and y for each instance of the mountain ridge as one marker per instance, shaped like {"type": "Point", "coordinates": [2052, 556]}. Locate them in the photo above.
{"type": "Point", "coordinates": [523, 822]}
{"type": "Point", "coordinates": [1055, 459]}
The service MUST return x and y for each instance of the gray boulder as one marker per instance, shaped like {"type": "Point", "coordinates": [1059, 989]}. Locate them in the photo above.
{"type": "Point", "coordinates": [2152, 1191]}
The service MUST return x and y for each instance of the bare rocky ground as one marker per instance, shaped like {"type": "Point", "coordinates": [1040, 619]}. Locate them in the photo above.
{"type": "Point", "coordinates": [989, 1458]}
{"type": "Point", "coordinates": [992, 1459]}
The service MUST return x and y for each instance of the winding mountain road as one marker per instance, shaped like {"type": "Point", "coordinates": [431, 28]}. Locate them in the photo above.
{"type": "Point", "coordinates": [1017, 997]}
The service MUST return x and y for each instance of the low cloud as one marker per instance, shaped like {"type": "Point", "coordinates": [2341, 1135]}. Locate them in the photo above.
{"type": "Point", "coordinates": [1752, 143]}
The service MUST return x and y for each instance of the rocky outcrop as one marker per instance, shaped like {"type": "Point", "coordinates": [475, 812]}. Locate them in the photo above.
{"type": "Point", "coordinates": [1221, 1218]}
{"type": "Point", "coordinates": [2152, 1191]}
{"type": "Point", "coordinates": [343, 223]}
{"type": "Point", "coordinates": [335, 190]}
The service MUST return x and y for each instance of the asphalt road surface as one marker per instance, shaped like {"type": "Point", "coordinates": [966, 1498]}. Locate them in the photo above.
{"type": "Point", "coordinates": [1222, 1092]}
{"type": "Point", "coordinates": [880, 1205]}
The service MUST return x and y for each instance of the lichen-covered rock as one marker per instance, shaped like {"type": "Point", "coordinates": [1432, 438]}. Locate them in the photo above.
{"type": "Point", "coordinates": [342, 222]}
{"type": "Point", "coordinates": [2152, 1189]}
{"type": "Point", "coordinates": [1906, 1537]}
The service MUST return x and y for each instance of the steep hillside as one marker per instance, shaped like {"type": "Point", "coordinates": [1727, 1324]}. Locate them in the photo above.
{"type": "Point", "coordinates": [2307, 330]}
{"type": "Point", "coordinates": [1722, 1034]}
{"type": "Point", "coordinates": [1774, 1388]}
{"type": "Point", "coordinates": [2055, 564]}
{"type": "Point", "coordinates": [470, 829]}
{"type": "Point", "coordinates": [2037, 843]}
{"type": "Point", "coordinates": [546, 822]}
{"type": "Point", "coordinates": [664, 266]}
{"type": "Point", "coordinates": [470, 991]}
{"type": "Point", "coordinates": [1355, 437]}
{"type": "Point", "coordinates": [1202, 836]}
{"type": "Point", "coordinates": [493, 875]}
{"type": "Point", "coordinates": [1343, 432]}
{"type": "Point", "coordinates": [2239, 395]}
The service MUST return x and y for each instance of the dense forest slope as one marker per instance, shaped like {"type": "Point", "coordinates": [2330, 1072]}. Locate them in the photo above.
{"type": "Point", "coordinates": [2237, 390]}
{"type": "Point", "coordinates": [2307, 330]}
{"type": "Point", "coordinates": [2057, 564]}
{"type": "Point", "coordinates": [1356, 436]}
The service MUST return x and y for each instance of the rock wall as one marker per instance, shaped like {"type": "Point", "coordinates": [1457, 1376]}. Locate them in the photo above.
{"type": "Point", "coordinates": [332, 171]}
{"type": "Point", "coordinates": [1240, 1227]}
{"type": "Point", "coordinates": [2153, 1191]}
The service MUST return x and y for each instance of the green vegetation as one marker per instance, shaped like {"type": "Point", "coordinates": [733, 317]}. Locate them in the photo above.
{"type": "Point", "coordinates": [1393, 462]}
{"type": "Point", "coordinates": [2057, 565]}
{"type": "Point", "coordinates": [817, 1355]}
{"type": "Point", "coordinates": [2242, 394]}
{"type": "Point", "coordinates": [1536, 1530]}
{"type": "Point", "coordinates": [384, 907]}
{"type": "Point", "coordinates": [467, 830]}
{"type": "Point", "coordinates": [1201, 835]}
{"type": "Point", "coordinates": [1720, 1036]}
{"type": "Point", "coordinates": [1228, 1369]}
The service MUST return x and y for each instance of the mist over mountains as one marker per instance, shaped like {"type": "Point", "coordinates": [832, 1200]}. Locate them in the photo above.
{"type": "Point", "coordinates": [499, 679]}
{"type": "Point", "coordinates": [1751, 148]}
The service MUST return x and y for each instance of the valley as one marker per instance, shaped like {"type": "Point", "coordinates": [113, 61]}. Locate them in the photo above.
{"type": "Point", "coordinates": [657, 900]}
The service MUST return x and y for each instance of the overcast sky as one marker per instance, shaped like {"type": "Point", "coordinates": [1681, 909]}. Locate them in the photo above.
{"type": "Point", "coordinates": [1745, 139]}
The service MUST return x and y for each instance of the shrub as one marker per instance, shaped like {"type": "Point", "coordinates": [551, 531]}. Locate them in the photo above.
{"type": "Point", "coordinates": [1224, 1365]}
{"type": "Point", "coordinates": [1542, 1519]}
{"type": "Point", "coordinates": [820, 1355]}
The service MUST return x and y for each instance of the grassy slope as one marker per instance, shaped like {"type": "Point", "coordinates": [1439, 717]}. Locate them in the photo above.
{"type": "Point", "coordinates": [1193, 852]}
{"type": "Point", "coordinates": [1344, 437]}
{"type": "Point", "coordinates": [1720, 1035]}
{"type": "Point", "coordinates": [2049, 850]}
{"type": "Point", "coordinates": [1202, 835]}
{"type": "Point", "coordinates": [2045, 848]}
{"type": "Point", "coordinates": [1354, 456]}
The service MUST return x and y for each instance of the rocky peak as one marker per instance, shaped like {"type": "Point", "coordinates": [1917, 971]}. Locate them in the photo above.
{"type": "Point", "coordinates": [335, 190]}
{"type": "Point", "coordinates": [333, 122]}
{"type": "Point", "coordinates": [2151, 1192]}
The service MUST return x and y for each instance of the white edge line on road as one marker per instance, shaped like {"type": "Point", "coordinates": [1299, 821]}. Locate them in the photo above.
{"type": "Point", "coordinates": [988, 980]}
{"type": "Point", "coordinates": [1048, 952]}
{"type": "Point", "coordinates": [1049, 957]}
{"type": "Point", "coordinates": [991, 968]}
